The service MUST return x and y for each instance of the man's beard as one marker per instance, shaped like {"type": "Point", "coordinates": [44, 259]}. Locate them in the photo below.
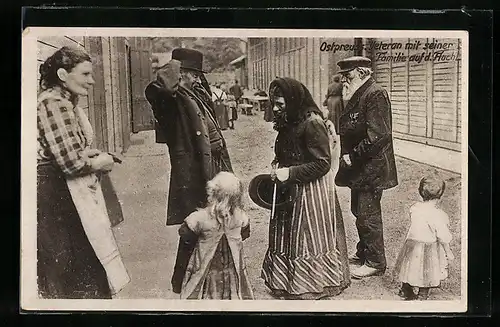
{"type": "Point", "coordinates": [280, 120]}
{"type": "Point", "coordinates": [350, 87]}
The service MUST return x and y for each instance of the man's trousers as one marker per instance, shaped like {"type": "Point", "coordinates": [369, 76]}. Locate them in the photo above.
{"type": "Point", "coordinates": [365, 206]}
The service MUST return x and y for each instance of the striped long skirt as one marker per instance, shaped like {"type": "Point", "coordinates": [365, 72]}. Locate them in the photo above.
{"type": "Point", "coordinates": [307, 254]}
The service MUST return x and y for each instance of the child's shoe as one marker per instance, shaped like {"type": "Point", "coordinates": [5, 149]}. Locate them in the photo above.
{"type": "Point", "coordinates": [423, 293]}
{"type": "Point", "coordinates": [406, 292]}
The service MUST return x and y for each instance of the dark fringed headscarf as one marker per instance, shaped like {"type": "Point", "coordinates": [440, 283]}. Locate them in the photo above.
{"type": "Point", "coordinates": [298, 100]}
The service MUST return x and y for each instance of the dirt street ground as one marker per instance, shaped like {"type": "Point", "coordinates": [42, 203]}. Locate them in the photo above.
{"type": "Point", "coordinates": [149, 247]}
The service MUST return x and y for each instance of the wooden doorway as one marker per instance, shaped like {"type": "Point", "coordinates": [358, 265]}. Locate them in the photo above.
{"type": "Point", "coordinates": [127, 79]}
{"type": "Point", "coordinates": [140, 76]}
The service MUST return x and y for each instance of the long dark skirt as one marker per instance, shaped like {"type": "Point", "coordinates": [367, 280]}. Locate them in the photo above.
{"type": "Point", "coordinates": [67, 266]}
{"type": "Point", "coordinates": [222, 116]}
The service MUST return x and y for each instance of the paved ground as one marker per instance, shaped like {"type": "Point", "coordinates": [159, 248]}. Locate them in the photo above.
{"type": "Point", "coordinates": [148, 246]}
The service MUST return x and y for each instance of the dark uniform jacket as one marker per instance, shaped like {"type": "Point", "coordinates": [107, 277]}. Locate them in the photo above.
{"type": "Point", "coordinates": [365, 128]}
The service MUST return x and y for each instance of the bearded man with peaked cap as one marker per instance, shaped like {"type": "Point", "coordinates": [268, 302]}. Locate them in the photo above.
{"type": "Point", "coordinates": [367, 164]}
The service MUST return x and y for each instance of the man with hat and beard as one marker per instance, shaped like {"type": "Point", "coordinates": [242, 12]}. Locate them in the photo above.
{"type": "Point", "coordinates": [180, 98]}
{"type": "Point", "coordinates": [367, 164]}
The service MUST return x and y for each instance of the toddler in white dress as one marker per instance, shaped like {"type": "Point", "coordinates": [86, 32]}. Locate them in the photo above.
{"type": "Point", "coordinates": [423, 260]}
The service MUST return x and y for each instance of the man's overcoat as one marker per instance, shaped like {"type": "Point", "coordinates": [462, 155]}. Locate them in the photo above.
{"type": "Point", "coordinates": [182, 121]}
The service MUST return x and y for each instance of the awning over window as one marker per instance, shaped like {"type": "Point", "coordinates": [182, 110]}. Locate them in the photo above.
{"type": "Point", "coordinates": [238, 61]}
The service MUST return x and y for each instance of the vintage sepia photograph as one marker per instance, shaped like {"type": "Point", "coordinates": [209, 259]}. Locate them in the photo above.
{"type": "Point", "coordinates": [165, 167]}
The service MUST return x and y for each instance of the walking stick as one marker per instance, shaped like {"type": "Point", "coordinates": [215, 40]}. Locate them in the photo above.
{"type": "Point", "coordinates": [273, 208]}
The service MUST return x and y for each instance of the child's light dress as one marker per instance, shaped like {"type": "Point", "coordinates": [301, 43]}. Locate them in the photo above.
{"type": "Point", "coordinates": [422, 261]}
{"type": "Point", "coordinates": [216, 269]}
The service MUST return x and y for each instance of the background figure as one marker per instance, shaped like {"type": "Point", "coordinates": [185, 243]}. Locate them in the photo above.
{"type": "Point", "coordinates": [268, 111]}
{"type": "Point", "coordinates": [232, 110]}
{"type": "Point", "coordinates": [307, 255]}
{"type": "Point", "coordinates": [217, 268]}
{"type": "Point", "coordinates": [266, 105]}
{"type": "Point", "coordinates": [219, 97]}
{"type": "Point", "coordinates": [367, 165]}
{"type": "Point", "coordinates": [77, 255]}
{"type": "Point", "coordinates": [237, 91]}
{"type": "Point", "coordinates": [333, 101]}
{"type": "Point", "coordinates": [181, 101]}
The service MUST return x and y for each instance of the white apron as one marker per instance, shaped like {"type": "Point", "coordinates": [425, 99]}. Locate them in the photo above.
{"type": "Point", "coordinates": [89, 201]}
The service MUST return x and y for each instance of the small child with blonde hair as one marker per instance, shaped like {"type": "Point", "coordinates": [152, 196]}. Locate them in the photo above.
{"type": "Point", "coordinates": [423, 260]}
{"type": "Point", "coordinates": [217, 269]}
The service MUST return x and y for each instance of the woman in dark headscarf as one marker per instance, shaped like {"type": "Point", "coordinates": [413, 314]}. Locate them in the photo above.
{"type": "Point", "coordinates": [307, 256]}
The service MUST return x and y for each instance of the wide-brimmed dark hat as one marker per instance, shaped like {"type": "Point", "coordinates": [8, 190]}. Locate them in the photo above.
{"type": "Point", "coordinates": [261, 189]}
{"type": "Point", "coordinates": [351, 63]}
{"type": "Point", "coordinates": [190, 59]}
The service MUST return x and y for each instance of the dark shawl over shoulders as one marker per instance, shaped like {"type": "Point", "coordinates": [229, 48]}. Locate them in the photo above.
{"type": "Point", "coordinates": [306, 150]}
{"type": "Point", "coordinates": [303, 145]}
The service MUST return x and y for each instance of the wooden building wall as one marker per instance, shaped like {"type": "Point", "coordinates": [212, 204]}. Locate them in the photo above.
{"type": "Point", "coordinates": [425, 96]}
{"type": "Point", "coordinates": [299, 58]}
{"type": "Point", "coordinates": [116, 104]}
{"type": "Point", "coordinates": [141, 74]}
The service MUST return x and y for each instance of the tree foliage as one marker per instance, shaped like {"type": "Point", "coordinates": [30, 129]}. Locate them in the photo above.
{"type": "Point", "coordinates": [217, 52]}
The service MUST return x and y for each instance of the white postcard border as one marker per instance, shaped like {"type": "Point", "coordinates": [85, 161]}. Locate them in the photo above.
{"type": "Point", "coordinates": [29, 299]}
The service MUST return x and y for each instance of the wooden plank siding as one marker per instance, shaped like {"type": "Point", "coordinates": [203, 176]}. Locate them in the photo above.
{"type": "Point", "coordinates": [108, 92]}
{"type": "Point", "coordinates": [125, 96]}
{"type": "Point", "coordinates": [425, 96]}
{"type": "Point", "coordinates": [289, 57]}
{"type": "Point", "coordinates": [99, 97]}
{"type": "Point", "coordinates": [141, 74]}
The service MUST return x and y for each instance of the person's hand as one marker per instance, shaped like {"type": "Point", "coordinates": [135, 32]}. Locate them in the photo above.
{"type": "Point", "coordinates": [273, 173]}
{"type": "Point", "coordinates": [273, 170]}
{"type": "Point", "coordinates": [170, 75]}
{"type": "Point", "coordinates": [102, 163]}
{"type": "Point", "coordinates": [347, 159]}
{"type": "Point", "coordinates": [282, 174]}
